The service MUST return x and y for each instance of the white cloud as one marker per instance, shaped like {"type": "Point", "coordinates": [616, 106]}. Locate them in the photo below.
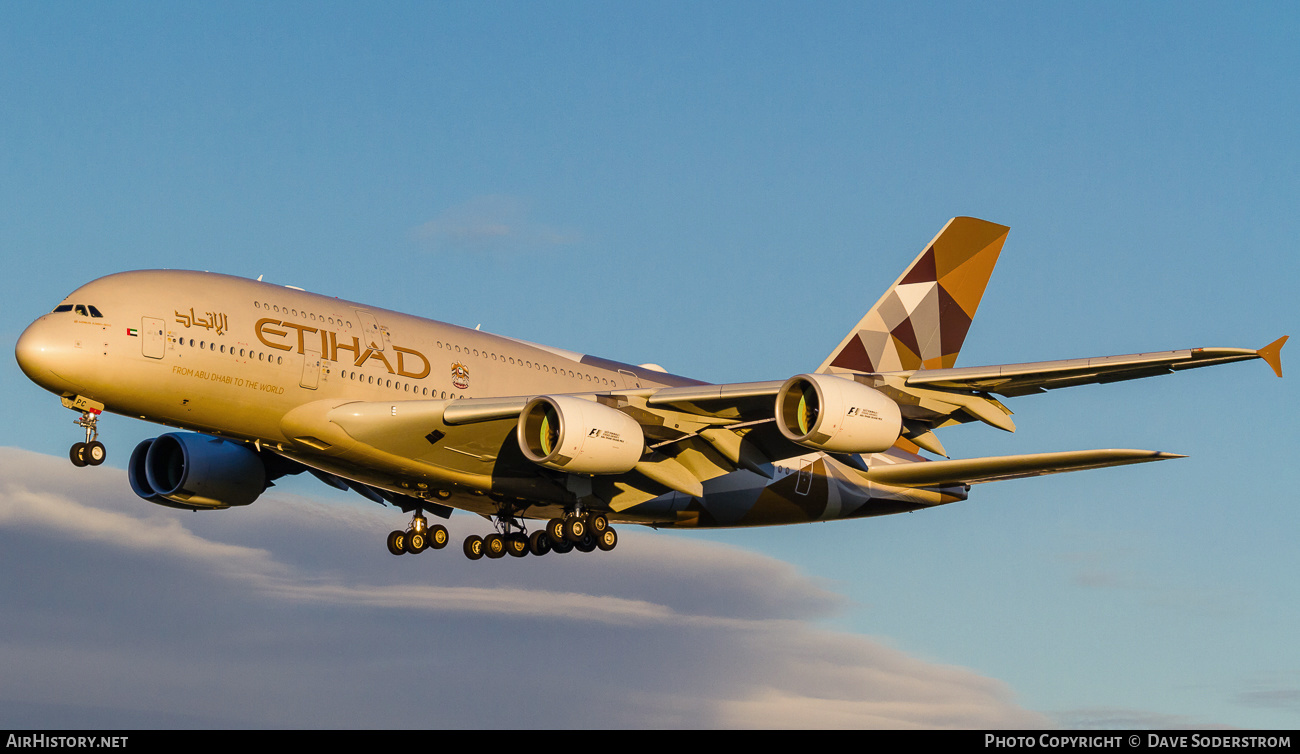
{"type": "Point", "coordinates": [496, 224]}
{"type": "Point", "coordinates": [291, 613]}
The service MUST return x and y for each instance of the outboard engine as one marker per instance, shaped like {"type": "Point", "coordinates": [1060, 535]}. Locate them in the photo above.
{"type": "Point", "coordinates": [193, 471]}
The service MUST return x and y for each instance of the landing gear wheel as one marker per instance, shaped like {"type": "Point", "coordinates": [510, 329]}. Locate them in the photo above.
{"type": "Point", "coordinates": [539, 543]}
{"type": "Point", "coordinates": [517, 545]}
{"type": "Point", "coordinates": [555, 530]}
{"type": "Point", "coordinates": [78, 454]}
{"type": "Point", "coordinates": [438, 536]}
{"type": "Point", "coordinates": [473, 547]}
{"type": "Point", "coordinates": [586, 544]}
{"type": "Point", "coordinates": [574, 529]}
{"type": "Point", "coordinates": [494, 546]}
{"type": "Point", "coordinates": [562, 546]}
{"type": "Point", "coordinates": [607, 540]}
{"type": "Point", "coordinates": [95, 453]}
{"type": "Point", "coordinates": [397, 542]}
{"type": "Point", "coordinates": [415, 542]}
{"type": "Point", "coordinates": [597, 523]}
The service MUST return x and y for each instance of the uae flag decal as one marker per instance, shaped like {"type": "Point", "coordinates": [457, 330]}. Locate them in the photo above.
{"type": "Point", "coordinates": [132, 332]}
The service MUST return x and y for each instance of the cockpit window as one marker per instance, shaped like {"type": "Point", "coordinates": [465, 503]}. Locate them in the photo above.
{"type": "Point", "coordinates": [85, 310]}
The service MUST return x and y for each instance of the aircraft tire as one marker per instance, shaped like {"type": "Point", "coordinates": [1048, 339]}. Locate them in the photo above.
{"type": "Point", "coordinates": [586, 544]}
{"type": "Point", "coordinates": [539, 543]}
{"type": "Point", "coordinates": [517, 545]}
{"type": "Point", "coordinates": [555, 530]}
{"type": "Point", "coordinates": [473, 547]}
{"type": "Point", "coordinates": [396, 540]}
{"type": "Point", "coordinates": [598, 523]}
{"type": "Point", "coordinates": [438, 536]}
{"type": "Point", "coordinates": [607, 540]}
{"type": "Point", "coordinates": [494, 546]}
{"type": "Point", "coordinates": [415, 542]}
{"type": "Point", "coordinates": [77, 454]}
{"type": "Point", "coordinates": [95, 453]}
{"type": "Point", "coordinates": [562, 546]}
{"type": "Point", "coordinates": [574, 529]}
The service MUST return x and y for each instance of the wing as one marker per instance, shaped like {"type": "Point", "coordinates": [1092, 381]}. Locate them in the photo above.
{"type": "Point", "coordinates": [1020, 379]}
{"type": "Point", "coordinates": [428, 447]}
{"type": "Point", "coordinates": [980, 470]}
{"type": "Point", "coordinates": [677, 438]}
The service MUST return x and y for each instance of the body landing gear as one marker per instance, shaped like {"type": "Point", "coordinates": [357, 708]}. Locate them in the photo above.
{"type": "Point", "coordinates": [418, 537]}
{"type": "Point", "coordinates": [92, 451]}
{"type": "Point", "coordinates": [582, 532]}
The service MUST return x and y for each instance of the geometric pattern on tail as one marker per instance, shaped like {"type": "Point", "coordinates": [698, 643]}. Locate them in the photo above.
{"type": "Point", "coordinates": [921, 322]}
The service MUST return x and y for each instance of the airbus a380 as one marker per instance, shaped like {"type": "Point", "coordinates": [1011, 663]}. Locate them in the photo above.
{"type": "Point", "coordinates": [426, 416]}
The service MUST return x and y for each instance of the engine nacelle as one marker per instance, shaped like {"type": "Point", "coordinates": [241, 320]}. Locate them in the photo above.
{"type": "Point", "coordinates": [836, 414]}
{"type": "Point", "coordinates": [579, 436]}
{"type": "Point", "coordinates": [190, 470]}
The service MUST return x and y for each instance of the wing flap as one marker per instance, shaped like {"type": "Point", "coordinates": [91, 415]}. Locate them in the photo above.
{"type": "Point", "coordinates": [980, 470]}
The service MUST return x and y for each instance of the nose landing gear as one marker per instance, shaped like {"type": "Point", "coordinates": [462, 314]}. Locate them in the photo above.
{"type": "Point", "coordinates": [92, 451]}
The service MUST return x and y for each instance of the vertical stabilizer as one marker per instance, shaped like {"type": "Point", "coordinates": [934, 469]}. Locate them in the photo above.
{"type": "Point", "coordinates": [921, 322]}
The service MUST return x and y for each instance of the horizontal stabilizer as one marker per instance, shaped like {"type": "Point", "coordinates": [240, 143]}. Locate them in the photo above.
{"type": "Point", "coordinates": [978, 470]}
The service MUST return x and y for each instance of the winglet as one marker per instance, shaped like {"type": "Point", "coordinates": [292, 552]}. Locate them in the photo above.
{"type": "Point", "coordinates": [1272, 354]}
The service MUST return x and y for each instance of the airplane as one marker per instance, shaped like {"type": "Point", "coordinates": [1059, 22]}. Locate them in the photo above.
{"type": "Point", "coordinates": [271, 380]}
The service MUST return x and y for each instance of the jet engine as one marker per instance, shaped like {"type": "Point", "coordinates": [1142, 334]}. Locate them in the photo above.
{"type": "Point", "coordinates": [193, 471]}
{"type": "Point", "coordinates": [836, 414]}
{"type": "Point", "coordinates": [579, 436]}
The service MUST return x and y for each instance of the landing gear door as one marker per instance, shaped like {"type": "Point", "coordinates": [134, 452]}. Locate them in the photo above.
{"type": "Point", "coordinates": [153, 341]}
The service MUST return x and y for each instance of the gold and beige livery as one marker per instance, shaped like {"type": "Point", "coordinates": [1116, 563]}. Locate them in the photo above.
{"type": "Point", "coordinates": [427, 416]}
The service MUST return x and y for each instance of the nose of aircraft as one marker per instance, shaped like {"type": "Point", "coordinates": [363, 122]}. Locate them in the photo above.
{"type": "Point", "coordinates": [38, 351]}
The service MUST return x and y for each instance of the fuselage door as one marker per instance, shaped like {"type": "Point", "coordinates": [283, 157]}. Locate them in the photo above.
{"type": "Point", "coordinates": [153, 341]}
{"type": "Point", "coordinates": [310, 369]}
{"type": "Point", "coordinates": [630, 380]}
{"type": "Point", "coordinates": [804, 483]}
{"type": "Point", "coordinates": [371, 335]}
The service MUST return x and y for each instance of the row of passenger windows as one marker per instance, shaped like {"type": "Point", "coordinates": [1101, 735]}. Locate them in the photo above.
{"type": "Point", "coordinates": [406, 387]}
{"type": "Point", "coordinates": [526, 364]}
{"type": "Point", "coordinates": [380, 381]}
{"type": "Point", "coordinates": [313, 316]}
{"type": "Point", "coordinates": [247, 353]}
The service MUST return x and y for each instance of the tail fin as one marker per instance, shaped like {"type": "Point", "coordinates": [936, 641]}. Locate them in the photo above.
{"type": "Point", "coordinates": [921, 322]}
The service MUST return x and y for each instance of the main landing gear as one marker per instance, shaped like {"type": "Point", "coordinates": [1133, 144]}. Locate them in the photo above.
{"type": "Point", "coordinates": [418, 537]}
{"type": "Point", "coordinates": [91, 452]}
{"type": "Point", "coordinates": [583, 532]}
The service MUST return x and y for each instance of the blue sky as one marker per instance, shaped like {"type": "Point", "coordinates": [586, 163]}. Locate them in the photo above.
{"type": "Point", "coordinates": [722, 189]}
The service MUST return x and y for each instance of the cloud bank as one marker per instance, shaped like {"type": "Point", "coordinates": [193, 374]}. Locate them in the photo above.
{"type": "Point", "coordinates": [291, 613]}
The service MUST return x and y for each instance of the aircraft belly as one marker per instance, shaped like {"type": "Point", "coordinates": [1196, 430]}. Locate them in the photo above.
{"type": "Point", "coordinates": [811, 488]}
